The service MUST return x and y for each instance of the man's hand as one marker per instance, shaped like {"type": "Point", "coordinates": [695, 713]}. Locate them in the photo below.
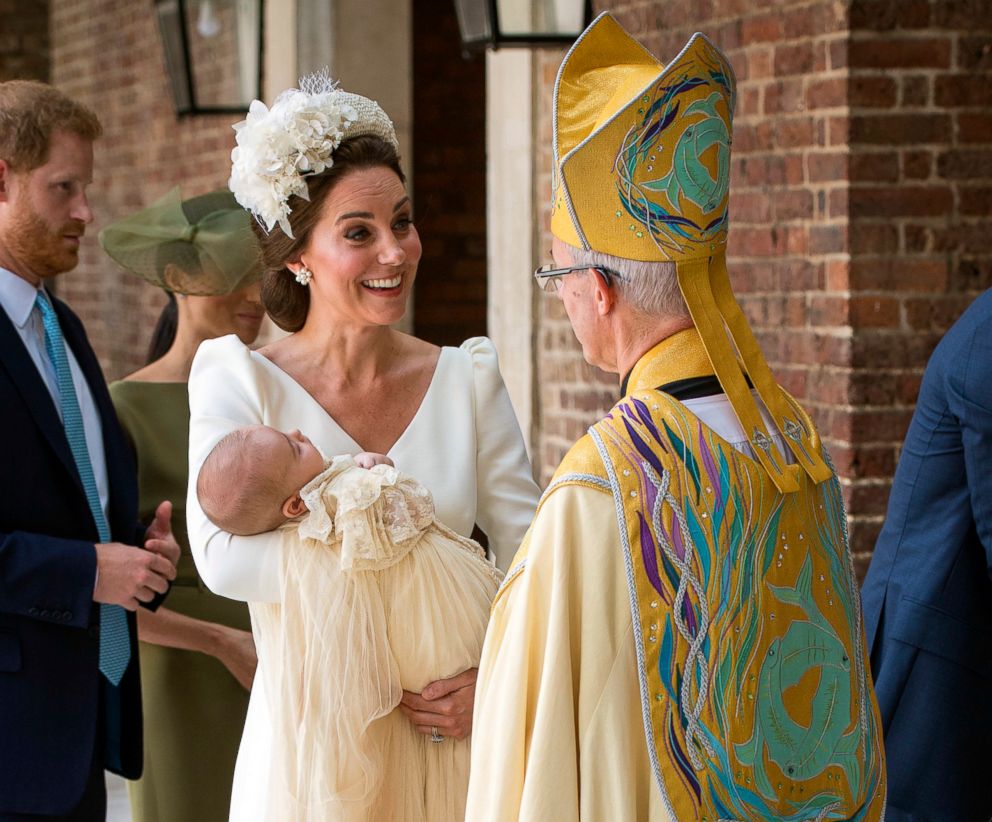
{"type": "Point", "coordinates": [159, 538]}
{"type": "Point", "coordinates": [446, 705]}
{"type": "Point", "coordinates": [128, 576]}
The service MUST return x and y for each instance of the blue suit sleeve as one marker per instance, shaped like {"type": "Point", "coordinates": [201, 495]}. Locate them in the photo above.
{"type": "Point", "coordinates": [970, 398]}
{"type": "Point", "coordinates": [50, 579]}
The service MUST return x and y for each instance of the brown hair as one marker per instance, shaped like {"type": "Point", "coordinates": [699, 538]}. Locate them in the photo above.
{"type": "Point", "coordinates": [30, 112]}
{"type": "Point", "coordinates": [286, 300]}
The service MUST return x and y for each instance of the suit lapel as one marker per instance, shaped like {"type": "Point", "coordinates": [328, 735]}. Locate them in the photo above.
{"type": "Point", "coordinates": [31, 387]}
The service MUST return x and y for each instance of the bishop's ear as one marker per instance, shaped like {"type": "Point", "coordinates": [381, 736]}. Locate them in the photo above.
{"type": "Point", "coordinates": [293, 507]}
{"type": "Point", "coordinates": [603, 295]}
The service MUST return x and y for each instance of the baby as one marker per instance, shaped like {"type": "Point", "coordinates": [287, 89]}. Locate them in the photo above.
{"type": "Point", "coordinates": [251, 481]}
{"type": "Point", "coordinates": [376, 597]}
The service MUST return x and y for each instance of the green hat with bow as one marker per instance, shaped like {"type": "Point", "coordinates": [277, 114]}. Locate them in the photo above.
{"type": "Point", "coordinates": [203, 245]}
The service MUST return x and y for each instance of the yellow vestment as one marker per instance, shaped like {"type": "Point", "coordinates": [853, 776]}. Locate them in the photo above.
{"type": "Point", "coordinates": [676, 639]}
{"type": "Point", "coordinates": [680, 634]}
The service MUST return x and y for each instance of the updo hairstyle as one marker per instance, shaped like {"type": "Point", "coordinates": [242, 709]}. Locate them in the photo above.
{"type": "Point", "coordinates": [194, 209]}
{"type": "Point", "coordinates": [286, 301]}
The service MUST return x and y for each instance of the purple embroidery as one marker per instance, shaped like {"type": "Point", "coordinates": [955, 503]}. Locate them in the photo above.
{"type": "Point", "coordinates": [645, 415]}
{"type": "Point", "coordinates": [677, 540]}
{"type": "Point", "coordinates": [690, 616]}
{"type": "Point", "coordinates": [649, 553]}
{"type": "Point", "coordinates": [711, 470]}
{"type": "Point", "coordinates": [643, 449]}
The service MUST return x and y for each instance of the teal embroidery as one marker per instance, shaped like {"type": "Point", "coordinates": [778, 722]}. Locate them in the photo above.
{"type": "Point", "coordinates": [654, 204]}
{"type": "Point", "coordinates": [803, 752]}
{"type": "Point", "coordinates": [689, 177]}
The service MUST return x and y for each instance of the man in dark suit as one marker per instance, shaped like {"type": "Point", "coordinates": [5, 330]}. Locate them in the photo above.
{"type": "Point", "coordinates": [928, 593]}
{"type": "Point", "coordinates": [70, 574]}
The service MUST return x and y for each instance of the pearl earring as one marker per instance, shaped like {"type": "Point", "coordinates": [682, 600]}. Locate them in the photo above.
{"type": "Point", "coordinates": [304, 275]}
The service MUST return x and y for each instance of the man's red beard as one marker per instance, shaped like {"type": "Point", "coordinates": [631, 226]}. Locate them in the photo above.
{"type": "Point", "coordinates": [42, 251]}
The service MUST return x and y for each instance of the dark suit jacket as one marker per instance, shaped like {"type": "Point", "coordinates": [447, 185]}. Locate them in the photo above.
{"type": "Point", "coordinates": [52, 696]}
{"type": "Point", "coordinates": [928, 594]}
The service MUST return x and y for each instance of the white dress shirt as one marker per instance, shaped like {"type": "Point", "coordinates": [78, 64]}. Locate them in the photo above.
{"type": "Point", "coordinates": [716, 412]}
{"type": "Point", "coordinates": [17, 298]}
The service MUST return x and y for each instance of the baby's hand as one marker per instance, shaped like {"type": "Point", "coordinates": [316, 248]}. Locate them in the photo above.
{"type": "Point", "coordinates": [367, 459]}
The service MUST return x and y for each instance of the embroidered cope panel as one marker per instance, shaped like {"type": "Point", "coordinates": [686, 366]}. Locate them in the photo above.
{"type": "Point", "coordinates": [746, 614]}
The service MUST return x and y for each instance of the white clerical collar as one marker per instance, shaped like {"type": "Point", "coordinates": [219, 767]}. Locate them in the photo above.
{"type": "Point", "coordinates": [17, 297]}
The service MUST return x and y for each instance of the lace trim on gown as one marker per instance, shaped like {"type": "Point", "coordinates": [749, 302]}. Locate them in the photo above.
{"type": "Point", "coordinates": [377, 596]}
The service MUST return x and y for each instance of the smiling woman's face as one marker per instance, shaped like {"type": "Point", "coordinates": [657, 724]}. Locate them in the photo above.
{"type": "Point", "coordinates": [364, 250]}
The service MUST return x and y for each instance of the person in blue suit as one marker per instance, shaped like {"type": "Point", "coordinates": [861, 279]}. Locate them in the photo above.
{"type": "Point", "coordinates": [70, 572]}
{"type": "Point", "coordinates": [928, 592]}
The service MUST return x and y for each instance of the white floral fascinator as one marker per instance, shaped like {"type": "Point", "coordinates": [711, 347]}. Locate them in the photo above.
{"type": "Point", "coordinates": [278, 147]}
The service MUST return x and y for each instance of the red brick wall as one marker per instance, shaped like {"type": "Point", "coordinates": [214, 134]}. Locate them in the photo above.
{"type": "Point", "coordinates": [920, 205]}
{"type": "Point", "coordinates": [787, 224]}
{"type": "Point", "coordinates": [570, 394]}
{"type": "Point", "coordinates": [24, 40]}
{"type": "Point", "coordinates": [862, 194]}
{"type": "Point", "coordinates": [107, 54]}
{"type": "Point", "coordinates": [449, 178]}
{"type": "Point", "coordinates": [861, 210]}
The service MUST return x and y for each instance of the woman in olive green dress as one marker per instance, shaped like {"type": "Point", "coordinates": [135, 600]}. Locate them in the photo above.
{"type": "Point", "coordinates": [197, 656]}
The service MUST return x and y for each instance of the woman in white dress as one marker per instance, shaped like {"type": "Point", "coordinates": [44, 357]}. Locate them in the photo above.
{"type": "Point", "coordinates": [340, 263]}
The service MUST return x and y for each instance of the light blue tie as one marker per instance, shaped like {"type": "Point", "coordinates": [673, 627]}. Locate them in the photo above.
{"type": "Point", "coordinates": [115, 645]}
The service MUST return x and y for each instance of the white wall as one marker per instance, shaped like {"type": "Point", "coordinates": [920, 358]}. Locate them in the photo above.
{"type": "Point", "coordinates": [510, 223]}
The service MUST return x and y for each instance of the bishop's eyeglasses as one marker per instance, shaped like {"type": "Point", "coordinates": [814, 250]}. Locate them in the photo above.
{"type": "Point", "coordinates": [549, 278]}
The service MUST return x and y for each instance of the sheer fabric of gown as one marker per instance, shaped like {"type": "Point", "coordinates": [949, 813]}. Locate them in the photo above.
{"type": "Point", "coordinates": [377, 596]}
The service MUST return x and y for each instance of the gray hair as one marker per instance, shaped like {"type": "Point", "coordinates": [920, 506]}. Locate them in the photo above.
{"type": "Point", "coordinates": [650, 288]}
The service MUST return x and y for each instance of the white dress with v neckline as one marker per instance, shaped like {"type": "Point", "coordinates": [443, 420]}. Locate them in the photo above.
{"type": "Point", "coordinates": [464, 444]}
{"type": "Point", "coordinates": [355, 447]}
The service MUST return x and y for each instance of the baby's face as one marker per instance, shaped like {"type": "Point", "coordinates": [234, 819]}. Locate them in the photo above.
{"type": "Point", "coordinates": [296, 456]}
{"type": "Point", "coordinates": [307, 460]}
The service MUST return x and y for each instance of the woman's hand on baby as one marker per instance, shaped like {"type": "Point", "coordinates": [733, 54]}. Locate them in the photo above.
{"type": "Point", "coordinates": [237, 652]}
{"type": "Point", "coordinates": [445, 705]}
{"type": "Point", "coordinates": [367, 459]}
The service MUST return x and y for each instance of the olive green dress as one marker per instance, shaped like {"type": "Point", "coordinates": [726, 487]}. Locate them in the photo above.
{"type": "Point", "coordinates": [194, 709]}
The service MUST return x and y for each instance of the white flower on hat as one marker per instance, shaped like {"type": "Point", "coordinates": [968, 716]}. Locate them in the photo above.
{"type": "Point", "coordinates": [278, 147]}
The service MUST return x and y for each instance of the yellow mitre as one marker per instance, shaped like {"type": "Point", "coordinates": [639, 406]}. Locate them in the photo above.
{"type": "Point", "coordinates": [642, 172]}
